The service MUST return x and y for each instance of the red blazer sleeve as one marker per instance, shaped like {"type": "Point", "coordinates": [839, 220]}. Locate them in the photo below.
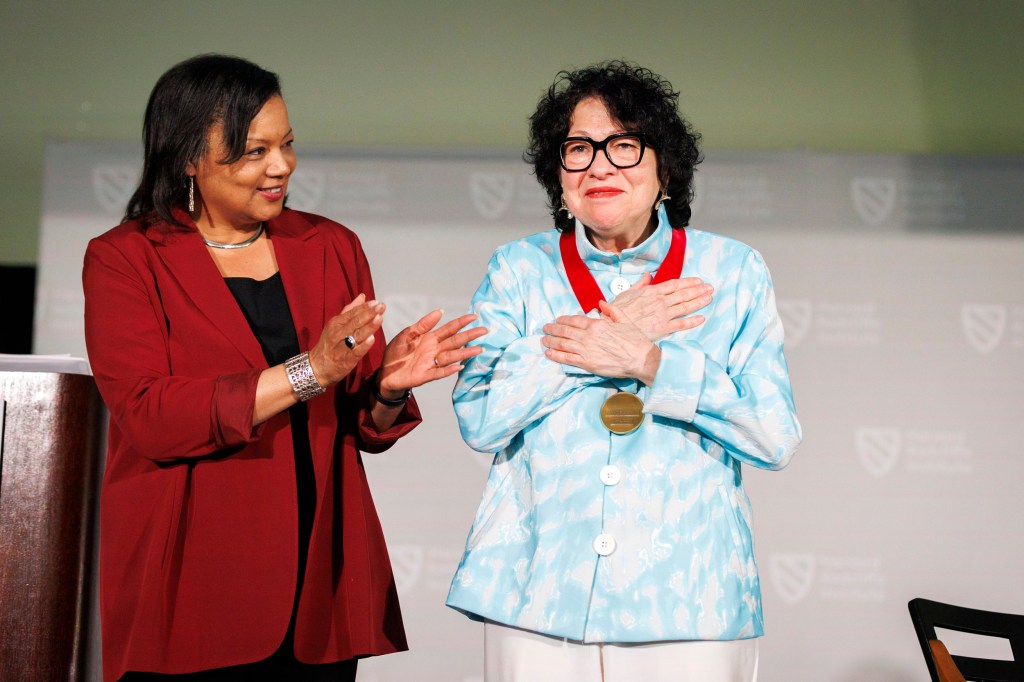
{"type": "Point", "coordinates": [163, 416]}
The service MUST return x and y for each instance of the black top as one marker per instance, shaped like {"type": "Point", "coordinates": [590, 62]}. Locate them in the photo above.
{"type": "Point", "coordinates": [265, 307]}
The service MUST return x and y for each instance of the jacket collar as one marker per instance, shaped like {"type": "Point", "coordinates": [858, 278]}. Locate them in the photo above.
{"type": "Point", "coordinates": [643, 257]}
{"type": "Point", "coordinates": [300, 259]}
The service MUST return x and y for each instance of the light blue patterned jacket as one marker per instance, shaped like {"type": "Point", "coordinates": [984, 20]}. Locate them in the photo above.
{"type": "Point", "coordinates": [676, 555]}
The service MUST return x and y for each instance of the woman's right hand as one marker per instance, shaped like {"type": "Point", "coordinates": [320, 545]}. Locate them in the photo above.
{"type": "Point", "coordinates": [330, 358]}
{"type": "Point", "coordinates": [662, 309]}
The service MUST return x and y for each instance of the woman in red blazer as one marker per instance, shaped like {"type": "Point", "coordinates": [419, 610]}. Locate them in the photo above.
{"type": "Point", "coordinates": [237, 345]}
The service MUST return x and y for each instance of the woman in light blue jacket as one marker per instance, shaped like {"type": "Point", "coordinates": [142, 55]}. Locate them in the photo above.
{"type": "Point", "coordinates": [613, 539]}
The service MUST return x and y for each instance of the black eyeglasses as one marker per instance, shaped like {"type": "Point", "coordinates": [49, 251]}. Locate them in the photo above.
{"type": "Point", "coordinates": [623, 150]}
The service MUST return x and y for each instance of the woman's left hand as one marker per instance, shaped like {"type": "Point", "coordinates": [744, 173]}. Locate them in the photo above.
{"type": "Point", "coordinates": [420, 353]}
{"type": "Point", "coordinates": [609, 346]}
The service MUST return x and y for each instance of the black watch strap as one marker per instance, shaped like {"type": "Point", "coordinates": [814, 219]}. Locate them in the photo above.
{"type": "Point", "coordinates": [391, 402]}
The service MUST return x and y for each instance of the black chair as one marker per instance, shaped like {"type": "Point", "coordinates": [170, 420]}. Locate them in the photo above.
{"type": "Point", "coordinates": [928, 615]}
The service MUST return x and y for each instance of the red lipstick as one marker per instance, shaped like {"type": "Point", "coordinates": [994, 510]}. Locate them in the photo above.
{"type": "Point", "coordinates": [602, 192]}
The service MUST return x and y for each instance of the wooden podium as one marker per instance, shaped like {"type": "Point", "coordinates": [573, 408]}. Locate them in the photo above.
{"type": "Point", "coordinates": [50, 431]}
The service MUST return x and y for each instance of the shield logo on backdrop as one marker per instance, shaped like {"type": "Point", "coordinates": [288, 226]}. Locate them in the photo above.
{"type": "Point", "coordinates": [792, 575]}
{"type": "Point", "coordinates": [491, 193]}
{"type": "Point", "coordinates": [984, 325]}
{"type": "Point", "coordinates": [407, 564]}
{"type": "Point", "coordinates": [113, 186]}
{"type": "Point", "coordinates": [306, 189]}
{"type": "Point", "coordinates": [873, 199]}
{"type": "Point", "coordinates": [878, 449]}
{"type": "Point", "coordinates": [797, 315]}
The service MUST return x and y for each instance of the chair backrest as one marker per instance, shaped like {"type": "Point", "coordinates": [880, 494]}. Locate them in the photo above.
{"type": "Point", "coordinates": [928, 615]}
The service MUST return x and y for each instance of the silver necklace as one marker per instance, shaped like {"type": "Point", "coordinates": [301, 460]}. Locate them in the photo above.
{"type": "Point", "coordinates": [239, 245]}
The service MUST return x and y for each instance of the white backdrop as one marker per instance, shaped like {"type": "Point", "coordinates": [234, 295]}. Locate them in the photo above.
{"type": "Point", "coordinates": [901, 285]}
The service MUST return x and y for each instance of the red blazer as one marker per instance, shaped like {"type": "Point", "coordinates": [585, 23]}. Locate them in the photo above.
{"type": "Point", "coordinates": [198, 517]}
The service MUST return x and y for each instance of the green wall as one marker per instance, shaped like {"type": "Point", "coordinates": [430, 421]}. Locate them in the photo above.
{"type": "Point", "coordinates": [917, 76]}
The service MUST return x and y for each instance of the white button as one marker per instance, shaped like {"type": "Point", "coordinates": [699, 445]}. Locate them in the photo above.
{"type": "Point", "coordinates": [619, 284]}
{"type": "Point", "coordinates": [604, 544]}
{"type": "Point", "coordinates": [610, 475]}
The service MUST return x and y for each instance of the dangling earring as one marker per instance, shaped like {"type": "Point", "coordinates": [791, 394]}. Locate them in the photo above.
{"type": "Point", "coordinates": [565, 208]}
{"type": "Point", "coordinates": [191, 194]}
{"type": "Point", "coordinates": [662, 199]}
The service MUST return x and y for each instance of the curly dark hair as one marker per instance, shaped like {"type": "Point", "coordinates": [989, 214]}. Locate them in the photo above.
{"type": "Point", "coordinates": [186, 101]}
{"type": "Point", "coordinates": [641, 101]}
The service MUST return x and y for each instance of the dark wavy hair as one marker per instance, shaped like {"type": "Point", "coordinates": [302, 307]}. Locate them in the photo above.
{"type": "Point", "coordinates": [640, 100]}
{"type": "Point", "coordinates": [186, 101]}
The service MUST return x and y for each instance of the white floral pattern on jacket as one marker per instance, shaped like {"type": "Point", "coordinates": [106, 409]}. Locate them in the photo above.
{"type": "Point", "coordinates": [682, 566]}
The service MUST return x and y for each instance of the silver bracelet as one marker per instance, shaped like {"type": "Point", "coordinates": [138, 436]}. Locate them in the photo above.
{"type": "Point", "coordinates": [301, 377]}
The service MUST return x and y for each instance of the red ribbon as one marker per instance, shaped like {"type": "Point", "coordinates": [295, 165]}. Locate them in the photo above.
{"type": "Point", "coordinates": [588, 293]}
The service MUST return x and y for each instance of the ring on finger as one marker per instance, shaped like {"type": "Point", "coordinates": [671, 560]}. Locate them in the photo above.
{"type": "Point", "coordinates": [436, 363]}
{"type": "Point", "coordinates": [350, 341]}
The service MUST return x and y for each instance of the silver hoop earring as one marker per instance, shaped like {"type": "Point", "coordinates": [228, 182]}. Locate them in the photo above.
{"type": "Point", "coordinates": [191, 194]}
{"type": "Point", "coordinates": [565, 208]}
{"type": "Point", "coordinates": [662, 199]}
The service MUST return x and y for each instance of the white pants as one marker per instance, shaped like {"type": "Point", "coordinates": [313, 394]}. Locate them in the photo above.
{"type": "Point", "coordinates": [514, 655]}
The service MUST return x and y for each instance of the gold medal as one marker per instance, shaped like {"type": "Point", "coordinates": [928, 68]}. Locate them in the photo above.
{"type": "Point", "coordinates": [622, 412]}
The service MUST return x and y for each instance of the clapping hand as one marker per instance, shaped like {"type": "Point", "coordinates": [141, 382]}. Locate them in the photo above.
{"type": "Point", "coordinates": [332, 358]}
{"type": "Point", "coordinates": [420, 353]}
